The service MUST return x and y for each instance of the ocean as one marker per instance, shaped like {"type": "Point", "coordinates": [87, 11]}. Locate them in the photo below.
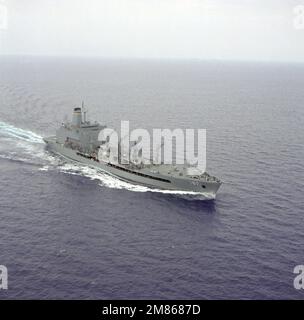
{"type": "Point", "coordinates": [71, 232]}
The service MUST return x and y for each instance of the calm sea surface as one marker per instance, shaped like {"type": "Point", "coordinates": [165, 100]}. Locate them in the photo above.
{"type": "Point", "coordinates": [67, 231]}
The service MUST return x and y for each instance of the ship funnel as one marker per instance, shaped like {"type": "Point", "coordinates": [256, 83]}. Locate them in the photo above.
{"type": "Point", "coordinates": [77, 117]}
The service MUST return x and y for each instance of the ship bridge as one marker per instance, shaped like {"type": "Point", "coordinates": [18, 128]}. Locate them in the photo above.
{"type": "Point", "coordinates": [80, 133]}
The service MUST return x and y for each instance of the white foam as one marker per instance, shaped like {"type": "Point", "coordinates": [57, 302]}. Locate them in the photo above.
{"type": "Point", "coordinates": [25, 135]}
{"type": "Point", "coordinates": [26, 144]}
{"type": "Point", "coordinates": [112, 182]}
{"type": "Point", "coordinates": [44, 168]}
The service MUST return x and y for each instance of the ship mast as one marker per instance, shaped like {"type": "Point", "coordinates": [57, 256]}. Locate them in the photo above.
{"type": "Point", "coordinates": [84, 112]}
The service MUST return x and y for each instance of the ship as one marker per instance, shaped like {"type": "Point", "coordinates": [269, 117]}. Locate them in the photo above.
{"type": "Point", "coordinates": [78, 141]}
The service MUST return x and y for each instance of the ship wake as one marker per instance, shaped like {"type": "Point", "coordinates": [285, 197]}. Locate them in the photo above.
{"type": "Point", "coordinates": [107, 180]}
{"type": "Point", "coordinates": [20, 145]}
{"type": "Point", "coordinates": [9, 130]}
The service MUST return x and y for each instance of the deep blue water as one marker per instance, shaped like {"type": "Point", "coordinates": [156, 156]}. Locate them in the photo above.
{"type": "Point", "coordinates": [69, 232]}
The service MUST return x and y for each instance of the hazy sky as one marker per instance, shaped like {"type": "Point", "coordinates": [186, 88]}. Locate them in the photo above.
{"type": "Point", "coordinates": [204, 29]}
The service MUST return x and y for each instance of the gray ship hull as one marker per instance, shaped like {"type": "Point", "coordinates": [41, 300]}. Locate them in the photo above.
{"type": "Point", "coordinates": [146, 177]}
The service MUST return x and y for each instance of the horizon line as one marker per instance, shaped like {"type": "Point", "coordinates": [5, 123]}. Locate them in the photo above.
{"type": "Point", "coordinates": [245, 60]}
